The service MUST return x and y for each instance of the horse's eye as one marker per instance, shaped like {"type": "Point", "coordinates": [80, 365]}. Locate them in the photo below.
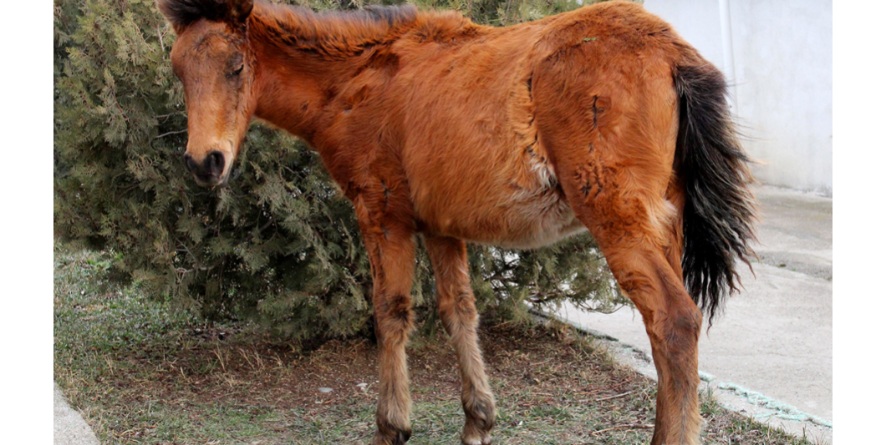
{"type": "Point", "coordinates": [238, 71]}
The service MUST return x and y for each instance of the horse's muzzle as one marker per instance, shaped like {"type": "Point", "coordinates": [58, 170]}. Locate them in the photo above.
{"type": "Point", "coordinates": [209, 172]}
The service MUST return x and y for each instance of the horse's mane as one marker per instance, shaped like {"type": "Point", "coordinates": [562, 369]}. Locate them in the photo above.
{"type": "Point", "coordinates": [331, 33]}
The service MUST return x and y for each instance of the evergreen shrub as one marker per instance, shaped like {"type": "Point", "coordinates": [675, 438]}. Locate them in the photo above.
{"type": "Point", "coordinates": [279, 244]}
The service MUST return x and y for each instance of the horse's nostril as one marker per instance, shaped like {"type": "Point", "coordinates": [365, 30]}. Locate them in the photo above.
{"type": "Point", "coordinates": [190, 164]}
{"type": "Point", "coordinates": [215, 163]}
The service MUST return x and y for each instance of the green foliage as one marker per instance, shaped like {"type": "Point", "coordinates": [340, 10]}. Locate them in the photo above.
{"type": "Point", "coordinates": [279, 244]}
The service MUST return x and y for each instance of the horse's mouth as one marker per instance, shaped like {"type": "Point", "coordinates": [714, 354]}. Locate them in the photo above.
{"type": "Point", "coordinates": [210, 181]}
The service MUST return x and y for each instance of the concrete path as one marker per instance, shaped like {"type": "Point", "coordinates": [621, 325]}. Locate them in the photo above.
{"type": "Point", "coordinates": [69, 428]}
{"type": "Point", "coordinates": [770, 353]}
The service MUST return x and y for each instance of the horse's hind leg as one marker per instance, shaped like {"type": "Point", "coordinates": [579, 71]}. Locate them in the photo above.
{"type": "Point", "coordinates": [612, 138]}
{"type": "Point", "coordinates": [672, 320]}
{"type": "Point", "coordinates": [455, 301]}
{"type": "Point", "coordinates": [634, 227]}
{"type": "Point", "coordinates": [618, 181]}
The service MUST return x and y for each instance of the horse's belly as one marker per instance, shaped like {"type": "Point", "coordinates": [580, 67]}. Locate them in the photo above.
{"type": "Point", "coordinates": [533, 223]}
{"type": "Point", "coordinates": [527, 222]}
{"type": "Point", "coordinates": [521, 207]}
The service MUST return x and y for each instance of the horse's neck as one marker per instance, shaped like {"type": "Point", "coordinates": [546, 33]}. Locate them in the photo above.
{"type": "Point", "coordinates": [303, 59]}
{"type": "Point", "coordinates": [293, 90]}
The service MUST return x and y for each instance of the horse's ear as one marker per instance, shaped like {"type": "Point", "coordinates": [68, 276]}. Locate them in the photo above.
{"type": "Point", "coordinates": [238, 11]}
{"type": "Point", "coordinates": [181, 13]}
{"type": "Point", "coordinates": [174, 14]}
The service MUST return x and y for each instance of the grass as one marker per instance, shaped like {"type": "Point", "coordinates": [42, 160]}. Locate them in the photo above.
{"type": "Point", "coordinates": [142, 374]}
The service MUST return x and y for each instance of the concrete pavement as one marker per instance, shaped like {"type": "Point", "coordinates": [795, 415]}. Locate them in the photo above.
{"type": "Point", "coordinates": [770, 353]}
{"type": "Point", "coordinates": [69, 428]}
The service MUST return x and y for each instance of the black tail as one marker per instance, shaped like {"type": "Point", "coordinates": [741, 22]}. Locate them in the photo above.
{"type": "Point", "coordinates": [720, 209]}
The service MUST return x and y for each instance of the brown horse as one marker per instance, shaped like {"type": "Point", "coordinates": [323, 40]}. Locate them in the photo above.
{"type": "Point", "coordinates": [600, 119]}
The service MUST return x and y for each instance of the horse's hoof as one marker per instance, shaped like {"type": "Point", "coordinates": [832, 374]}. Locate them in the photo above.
{"type": "Point", "coordinates": [400, 438]}
{"type": "Point", "coordinates": [478, 438]}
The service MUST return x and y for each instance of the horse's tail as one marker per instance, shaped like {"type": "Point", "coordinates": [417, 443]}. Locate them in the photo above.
{"type": "Point", "coordinates": [720, 209]}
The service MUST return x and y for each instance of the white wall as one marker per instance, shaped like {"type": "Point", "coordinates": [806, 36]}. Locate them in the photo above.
{"type": "Point", "coordinates": [781, 69]}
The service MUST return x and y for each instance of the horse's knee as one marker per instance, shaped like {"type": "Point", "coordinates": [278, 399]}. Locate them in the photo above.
{"type": "Point", "coordinates": [676, 330]}
{"type": "Point", "coordinates": [672, 318]}
{"type": "Point", "coordinates": [458, 313]}
{"type": "Point", "coordinates": [683, 328]}
{"type": "Point", "coordinates": [688, 319]}
{"type": "Point", "coordinates": [394, 320]}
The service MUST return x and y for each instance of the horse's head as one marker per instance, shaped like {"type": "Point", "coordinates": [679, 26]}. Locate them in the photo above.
{"type": "Point", "coordinates": [212, 59]}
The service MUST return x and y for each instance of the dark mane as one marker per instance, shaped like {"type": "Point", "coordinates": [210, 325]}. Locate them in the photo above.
{"type": "Point", "coordinates": [331, 33]}
{"type": "Point", "coordinates": [300, 27]}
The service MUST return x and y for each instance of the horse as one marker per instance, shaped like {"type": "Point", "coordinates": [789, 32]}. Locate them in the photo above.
{"type": "Point", "coordinates": [601, 119]}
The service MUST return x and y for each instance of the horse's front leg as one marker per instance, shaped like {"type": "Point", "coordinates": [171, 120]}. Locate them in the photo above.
{"type": "Point", "coordinates": [391, 249]}
{"type": "Point", "coordinates": [455, 301]}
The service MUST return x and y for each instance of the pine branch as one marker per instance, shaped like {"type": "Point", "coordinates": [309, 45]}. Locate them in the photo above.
{"type": "Point", "coordinates": [171, 133]}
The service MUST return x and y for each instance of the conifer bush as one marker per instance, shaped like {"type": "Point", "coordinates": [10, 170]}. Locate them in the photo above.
{"type": "Point", "coordinates": [279, 244]}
